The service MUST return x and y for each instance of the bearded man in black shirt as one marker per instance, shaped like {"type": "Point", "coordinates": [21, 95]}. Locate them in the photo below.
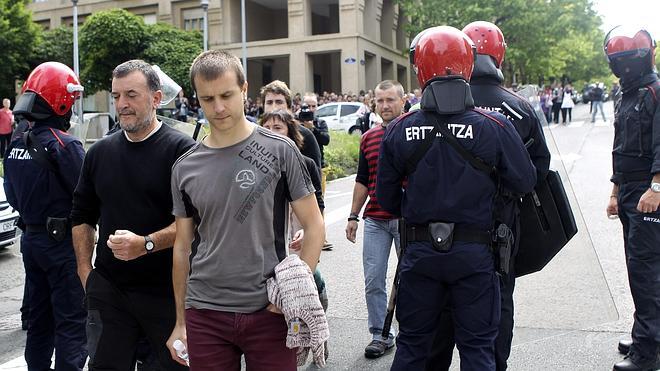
{"type": "Point", "coordinates": [124, 187]}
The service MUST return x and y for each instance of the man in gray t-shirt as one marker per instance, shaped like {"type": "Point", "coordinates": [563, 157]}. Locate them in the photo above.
{"type": "Point", "coordinates": [238, 197]}
{"type": "Point", "coordinates": [231, 194]}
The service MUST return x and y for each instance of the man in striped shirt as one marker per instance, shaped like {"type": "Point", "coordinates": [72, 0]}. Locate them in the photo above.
{"type": "Point", "coordinates": [380, 227]}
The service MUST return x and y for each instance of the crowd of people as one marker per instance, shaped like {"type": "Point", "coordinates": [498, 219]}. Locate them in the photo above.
{"type": "Point", "coordinates": [208, 251]}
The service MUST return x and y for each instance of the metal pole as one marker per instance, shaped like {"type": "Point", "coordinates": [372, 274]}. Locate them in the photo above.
{"type": "Point", "coordinates": [76, 67]}
{"type": "Point", "coordinates": [205, 7]}
{"type": "Point", "coordinates": [244, 37]}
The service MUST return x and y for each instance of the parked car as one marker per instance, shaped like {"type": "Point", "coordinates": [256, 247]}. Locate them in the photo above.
{"type": "Point", "coordinates": [9, 233]}
{"type": "Point", "coordinates": [342, 115]}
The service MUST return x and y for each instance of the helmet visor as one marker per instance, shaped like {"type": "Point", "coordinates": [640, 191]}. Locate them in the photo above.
{"type": "Point", "coordinates": [25, 103]}
{"type": "Point", "coordinates": [626, 42]}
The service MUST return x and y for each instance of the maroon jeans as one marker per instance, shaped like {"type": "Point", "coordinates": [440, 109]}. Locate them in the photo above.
{"type": "Point", "coordinates": [216, 341]}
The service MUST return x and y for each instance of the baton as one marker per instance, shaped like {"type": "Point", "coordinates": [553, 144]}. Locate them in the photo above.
{"type": "Point", "coordinates": [403, 240]}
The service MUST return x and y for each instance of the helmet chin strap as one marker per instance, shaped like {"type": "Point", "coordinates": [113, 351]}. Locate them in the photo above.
{"type": "Point", "coordinates": [447, 96]}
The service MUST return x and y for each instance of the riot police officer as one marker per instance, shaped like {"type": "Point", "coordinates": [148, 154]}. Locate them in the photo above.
{"type": "Point", "coordinates": [448, 202]}
{"type": "Point", "coordinates": [41, 171]}
{"type": "Point", "coordinates": [488, 94]}
{"type": "Point", "coordinates": [636, 191]}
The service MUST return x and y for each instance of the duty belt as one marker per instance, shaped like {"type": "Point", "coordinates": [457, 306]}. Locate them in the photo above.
{"type": "Point", "coordinates": [35, 228]}
{"type": "Point", "coordinates": [635, 176]}
{"type": "Point", "coordinates": [463, 234]}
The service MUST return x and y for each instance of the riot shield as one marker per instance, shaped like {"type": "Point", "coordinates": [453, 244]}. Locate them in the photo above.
{"type": "Point", "coordinates": [571, 292]}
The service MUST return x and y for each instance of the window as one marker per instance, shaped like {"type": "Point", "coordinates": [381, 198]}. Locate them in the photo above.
{"type": "Point", "coordinates": [327, 111]}
{"type": "Point", "coordinates": [193, 19]}
{"type": "Point", "coordinates": [347, 109]}
{"type": "Point", "coordinates": [150, 18]}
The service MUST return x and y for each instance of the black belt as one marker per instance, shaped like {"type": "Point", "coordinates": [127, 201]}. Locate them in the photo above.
{"type": "Point", "coordinates": [463, 234]}
{"type": "Point", "coordinates": [635, 176]}
{"type": "Point", "coordinates": [35, 228]}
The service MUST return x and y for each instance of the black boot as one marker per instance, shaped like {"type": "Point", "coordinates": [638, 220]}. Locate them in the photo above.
{"type": "Point", "coordinates": [624, 346]}
{"type": "Point", "coordinates": [634, 362]}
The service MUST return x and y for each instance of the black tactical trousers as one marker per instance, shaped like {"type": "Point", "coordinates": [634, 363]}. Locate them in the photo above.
{"type": "Point", "coordinates": [441, 352]}
{"type": "Point", "coordinates": [641, 235]}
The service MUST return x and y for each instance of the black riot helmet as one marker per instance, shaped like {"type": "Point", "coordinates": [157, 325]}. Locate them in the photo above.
{"type": "Point", "coordinates": [630, 52]}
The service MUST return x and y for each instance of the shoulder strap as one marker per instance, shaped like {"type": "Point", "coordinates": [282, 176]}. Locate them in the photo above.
{"type": "Point", "coordinates": [420, 151]}
{"type": "Point", "coordinates": [41, 156]}
{"type": "Point", "coordinates": [476, 162]}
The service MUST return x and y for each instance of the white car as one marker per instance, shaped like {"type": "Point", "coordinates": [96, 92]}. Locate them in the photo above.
{"type": "Point", "coordinates": [342, 116]}
{"type": "Point", "coordinates": [8, 218]}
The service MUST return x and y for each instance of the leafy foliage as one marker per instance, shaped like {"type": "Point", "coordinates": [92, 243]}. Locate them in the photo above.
{"type": "Point", "coordinates": [19, 34]}
{"type": "Point", "coordinates": [173, 50]}
{"type": "Point", "coordinates": [547, 39]}
{"type": "Point", "coordinates": [54, 45]}
{"type": "Point", "coordinates": [342, 154]}
{"type": "Point", "coordinates": [114, 36]}
{"type": "Point", "coordinates": [107, 39]}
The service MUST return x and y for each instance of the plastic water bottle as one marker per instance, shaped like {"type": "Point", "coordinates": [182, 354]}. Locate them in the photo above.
{"type": "Point", "coordinates": [181, 350]}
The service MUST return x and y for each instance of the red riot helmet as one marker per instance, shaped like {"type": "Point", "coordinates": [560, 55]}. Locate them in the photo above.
{"type": "Point", "coordinates": [488, 39]}
{"type": "Point", "coordinates": [442, 52]}
{"type": "Point", "coordinates": [630, 52]}
{"type": "Point", "coordinates": [53, 83]}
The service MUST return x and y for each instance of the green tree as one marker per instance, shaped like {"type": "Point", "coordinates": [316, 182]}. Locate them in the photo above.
{"type": "Point", "coordinates": [173, 50]}
{"type": "Point", "coordinates": [546, 38]}
{"type": "Point", "coordinates": [54, 45]}
{"type": "Point", "coordinates": [17, 42]}
{"type": "Point", "coordinates": [107, 39]}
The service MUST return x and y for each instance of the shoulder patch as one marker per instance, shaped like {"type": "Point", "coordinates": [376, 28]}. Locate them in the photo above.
{"type": "Point", "coordinates": [488, 116]}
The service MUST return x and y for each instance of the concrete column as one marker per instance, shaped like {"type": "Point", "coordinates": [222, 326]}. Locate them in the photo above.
{"type": "Point", "coordinates": [165, 12]}
{"type": "Point", "coordinates": [300, 18]}
{"type": "Point", "coordinates": [379, 20]}
{"type": "Point", "coordinates": [359, 17]}
{"type": "Point", "coordinates": [299, 61]}
{"type": "Point", "coordinates": [395, 26]}
{"type": "Point", "coordinates": [230, 21]}
{"type": "Point", "coordinates": [215, 24]}
{"type": "Point", "coordinates": [350, 72]}
{"type": "Point", "coordinates": [349, 16]}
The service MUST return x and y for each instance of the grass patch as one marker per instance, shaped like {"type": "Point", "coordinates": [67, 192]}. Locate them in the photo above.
{"type": "Point", "coordinates": [341, 155]}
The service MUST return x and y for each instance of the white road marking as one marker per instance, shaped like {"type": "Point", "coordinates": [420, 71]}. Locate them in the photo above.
{"type": "Point", "coordinates": [336, 194]}
{"type": "Point", "coordinates": [337, 215]}
{"type": "Point", "coordinates": [603, 123]}
{"type": "Point", "coordinates": [569, 157]}
{"type": "Point", "coordinates": [17, 364]}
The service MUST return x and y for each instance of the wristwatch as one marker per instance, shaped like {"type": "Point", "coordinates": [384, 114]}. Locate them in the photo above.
{"type": "Point", "coordinates": [148, 244]}
{"type": "Point", "coordinates": [655, 187]}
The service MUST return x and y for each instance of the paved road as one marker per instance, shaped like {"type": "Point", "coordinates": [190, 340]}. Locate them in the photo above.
{"type": "Point", "coordinates": [569, 316]}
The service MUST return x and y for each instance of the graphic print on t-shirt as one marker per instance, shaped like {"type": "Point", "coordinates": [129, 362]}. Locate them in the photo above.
{"type": "Point", "coordinates": [258, 168]}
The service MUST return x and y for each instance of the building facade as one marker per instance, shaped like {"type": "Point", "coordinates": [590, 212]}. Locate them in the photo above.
{"type": "Point", "coordinates": [313, 45]}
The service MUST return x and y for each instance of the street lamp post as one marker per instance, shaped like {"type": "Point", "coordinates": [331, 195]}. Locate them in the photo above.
{"type": "Point", "coordinates": [205, 26]}
{"type": "Point", "coordinates": [244, 37]}
{"type": "Point", "coordinates": [76, 67]}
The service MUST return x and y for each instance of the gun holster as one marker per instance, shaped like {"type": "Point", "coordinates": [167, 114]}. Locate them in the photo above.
{"type": "Point", "coordinates": [442, 235]}
{"type": "Point", "coordinates": [57, 228]}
